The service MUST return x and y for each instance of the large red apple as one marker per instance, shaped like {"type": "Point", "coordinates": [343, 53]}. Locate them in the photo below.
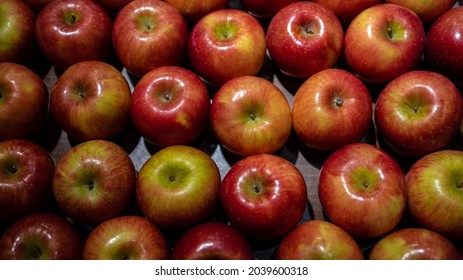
{"type": "Point", "coordinates": [26, 174]}
{"type": "Point", "coordinates": [304, 38]}
{"type": "Point", "coordinates": [346, 11]}
{"type": "Point", "coordinates": [226, 44]}
{"type": "Point", "coordinates": [362, 190]}
{"type": "Point", "coordinates": [193, 11]}
{"type": "Point", "coordinates": [91, 100]}
{"type": "Point", "coordinates": [419, 112]}
{"type": "Point", "coordinates": [148, 34]}
{"type": "Point", "coordinates": [331, 109]}
{"type": "Point", "coordinates": [250, 115]}
{"type": "Point", "coordinates": [428, 11]}
{"type": "Point", "coordinates": [265, 9]}
{"type": "Point", "coordinates": [126, 238]}
{"type": "Point", "coordinates": [170, 106]}
{"type": "Point", "coordinates": [23, 102]}
{"type": "Point", "coordinates": [383, 42]}
{"type": "Point", "coordinates": [94, 181]}
{"type": "Point", "coordinates": [264, 196]}
{"type": "Point", "coordinates": [71, 31]}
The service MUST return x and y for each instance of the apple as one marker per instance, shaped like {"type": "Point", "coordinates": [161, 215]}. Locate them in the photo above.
{"type": "Point", "coordinates": [36, 5]}
{"type": "Point", "coordinates": [170, 106]}
{"type": "Point", "coordinates": [362, 190]}
{"type": "Point", "coordinates": [91, 100]}
{"type": "Point", "coordinates": [250, 115]}
{"type": "Point", "coordinates": [178, 187]}
{"type": "Point", "coordinates": [113, 6]}
{"type": "Point", "coordinates": [193, 11]}
{"type": "Point", "coordinates": [94, 181]}
{"type": "Point", "coordinates": [23, 102]}
{"type": "Point", "coordinates": [264, 196]}
{"type": "Point", "coordinates": [41, 236]}
{"type": "Point", "coordinates": [304, 38]}
{"type": "Point", "coordinates": [414, 244]}
{"type": "Point", "coordinates": [148, 34]}
{"type": "Point", "coordinates": [71, 31]}
{"type": "Point", "coordinates": [212, 241]}
{"type": "Point", "coordinates": [383, 42]}
{"type": "Point", "coordinates": [126, 237]}
{"type": "Point", "coordinates": [428, 11]}
{"type": "Point", "coordinates": [435, 197]}
{"type": "Point", "coordinates": [419, 112]}
{"type": "Point", "coordinates": [318, 240]}
{"type": "Point", "coordinates": [265, 9]}
{"type": "Point", "coordinates": [444, 45]}
{"type": "Point", "coordinates": [346, 11]}
{"type": "Point", "coordinates": [226, 44]}
{"type": "Point", "coordinates": [331, 109]}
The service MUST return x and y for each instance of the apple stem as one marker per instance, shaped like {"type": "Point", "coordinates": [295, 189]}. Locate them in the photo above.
{"type": "Point", "coordinates": [337, 101]}
{"type": "Point", "coordinates": [172, 178]}
{"type": "Point", "coordinates": [307, 29]}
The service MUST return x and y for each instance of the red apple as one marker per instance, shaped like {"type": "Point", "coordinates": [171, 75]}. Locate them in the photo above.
{"type": "Point", "coordinates": [419, 112]}
{"type": "Point", "coordinates": [91, 100]}
{"type": "Point", "coordinates": [414, 244]}
{"type": "Point", "coordinates": [36, 5]}
{"type": "Point", "coordinates": [428, 11]}
{"type": "Point", "coordinates": [435, 197]}
{"type": "Point", "coordinates": [264, 196]}
{"type": "Point", "coordinates": [178, 187]}
{"type": "Point", "coordinates": [444, 45]}
{"type": "Point", "coordinates": [26, 174]}
{"type": "Point", "coordinates": [71, 31]}
{"type": "Point", "coordinates": [265, 9]}
{"type": "Point", "coordinates": [148, 34]}
{"type": "Point", "coordinates": [212, 241]}
{"type": "Point", "coordinates": [23, 102]}
{"type": "Point", "coordinates": [113, 6]}
{"type": "Point", "coordinates": [193, 11]}
{"type": "Point", "coordinates": [170, 106]}
{"type": "Point", "coordinates": [250, 115]}
{"type": "Point", "coordinates": [346, 11]}
{"type": "Point", "coordinates": [331, 109]}
{"type": "Point", "coordinates": [318, 240]}
{"type": "Point", "coordinates": [94, 181]}
{"type": "Point", "coordinates": [383, 42]}
{"type": "Point", "coordinates": [362, 190]}
{"type": "Point", "coordinates": [126, 238]}
{"type": "Point", "coordinates": [226, 44]}
{"type": "Point", "coordinates": [41, 236]}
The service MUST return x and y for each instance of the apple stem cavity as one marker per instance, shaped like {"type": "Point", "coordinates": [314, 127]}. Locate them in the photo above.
{"type": "Point", "coordinates": [257, 188]}
{"type": "Point", "coordinates": [12, 169]}
{"type": "Point", "coordinates": [307, 29]}
{"type": "Point", "coordinates": [71, 18]}
{"type": "Point", "coordinates": [338, 101]}
{"type": "Point", "coordinates": [36, 253]}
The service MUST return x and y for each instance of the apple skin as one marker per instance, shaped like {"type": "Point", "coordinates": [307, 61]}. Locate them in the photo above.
{"type": "Point", "coordinates": [304, 38]}
{"type": "Point", "coordinates": [414, 244]}
{"type": "Point", "coordinates": [383, 42]}
{"type": "Point", "coordinates": [148, 34]}
{"type": "Point", "coordinates": [212, 241]}
{"type": "Point", "coordinates": [256, 111]}
{"type": "Point", "coordinates": [331, 109]}
{"type": "Point", "coordinates": [91, 100]}
{"type": "Point", "coordinates": [71, 31]}
{"type": "Point", "coordinates": [265, 9]}
{"type": "Point", "coordinates": [362, 190]}
{"type": "Point", "coordinates": [444, 45]}
{"type": "Point", "coordinates": [170, 106]}
{"type": "Point", "coordinates": [264, 196]}
{"type": "Point", "coordinates": [94, 181]}
{"type": "Point", "coordinates": [178, 187]}
{"type": "Point", "coordinates": [428, 11]}
{"type": "Point", "coordinates": [41, 236]}
{"type": "Point", "coordinates": [435, 199]}
{"type": "Point", "coordinates": [23, 102]}
{"type": "Point", "coordinates": [126, 237]}
{"type": "Point", "coordinates": [226, 44]}
{"type": "Point", "coordinates": [193, 11]}
{"type": "Point", "coordinates": [346, 11]}
{"type": "Point", "coordinates": [419, 112]}
{"type": "Point", "coordinates": [318, 240]}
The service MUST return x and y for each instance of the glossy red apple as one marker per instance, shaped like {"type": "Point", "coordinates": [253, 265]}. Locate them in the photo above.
{"type": "Point", "coordinates": [264, 196]}
{"type": "Point", "coordinates": [226, 44]}
{"type": "Point", "coordinates": [94, 181]}
{"type": "Point", "coordinates": [23, 102]}
{"type": "Point", "coordinates": [265, 9]}
{"type": "Point", "coordinates": [383, 42]}
{"type": "Point", "coordinates": [331, 109]}
{"type": "Point", "coordinates": [304, 38]}
{"type": "Point", "coordinates": [193, 11]}
{"type": "Point", "coordinates": [346, 11]}
{"type": "Point", "coordinates": [126, 237]}
{"type": "Point", "coordinates": [71, 31]}
{"type": "Point", "coordinates": [250, 115]}
{"type": "Point", "coordinates": [148, 34]}
{"type": "Point", "coordinates": [362, 190]}
{"type": "Point", "coordinates": [170, 106]}
{"type": "Point", "coordinates": [419, 112]}
{"type": "Point", "coordinates": [428, 11]}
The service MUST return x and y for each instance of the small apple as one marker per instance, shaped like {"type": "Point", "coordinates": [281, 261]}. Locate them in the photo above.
{"type": "Point", "coordinates": [250, 115]}
{"type": "Point", "coordinates": [428, 11]}
{"type": "Point", "coordinates": [193, 11]}
{"type": "Point", "coordinates": [94, 181]}
{"type": "Point", "coordinates": [126, 237]}
{"type": "Point", "coordinates": [265, 9]}
{"type": "Point", "coordinates": [346, 11]}
{"type": "Point", "coordinates": [226, 44]}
